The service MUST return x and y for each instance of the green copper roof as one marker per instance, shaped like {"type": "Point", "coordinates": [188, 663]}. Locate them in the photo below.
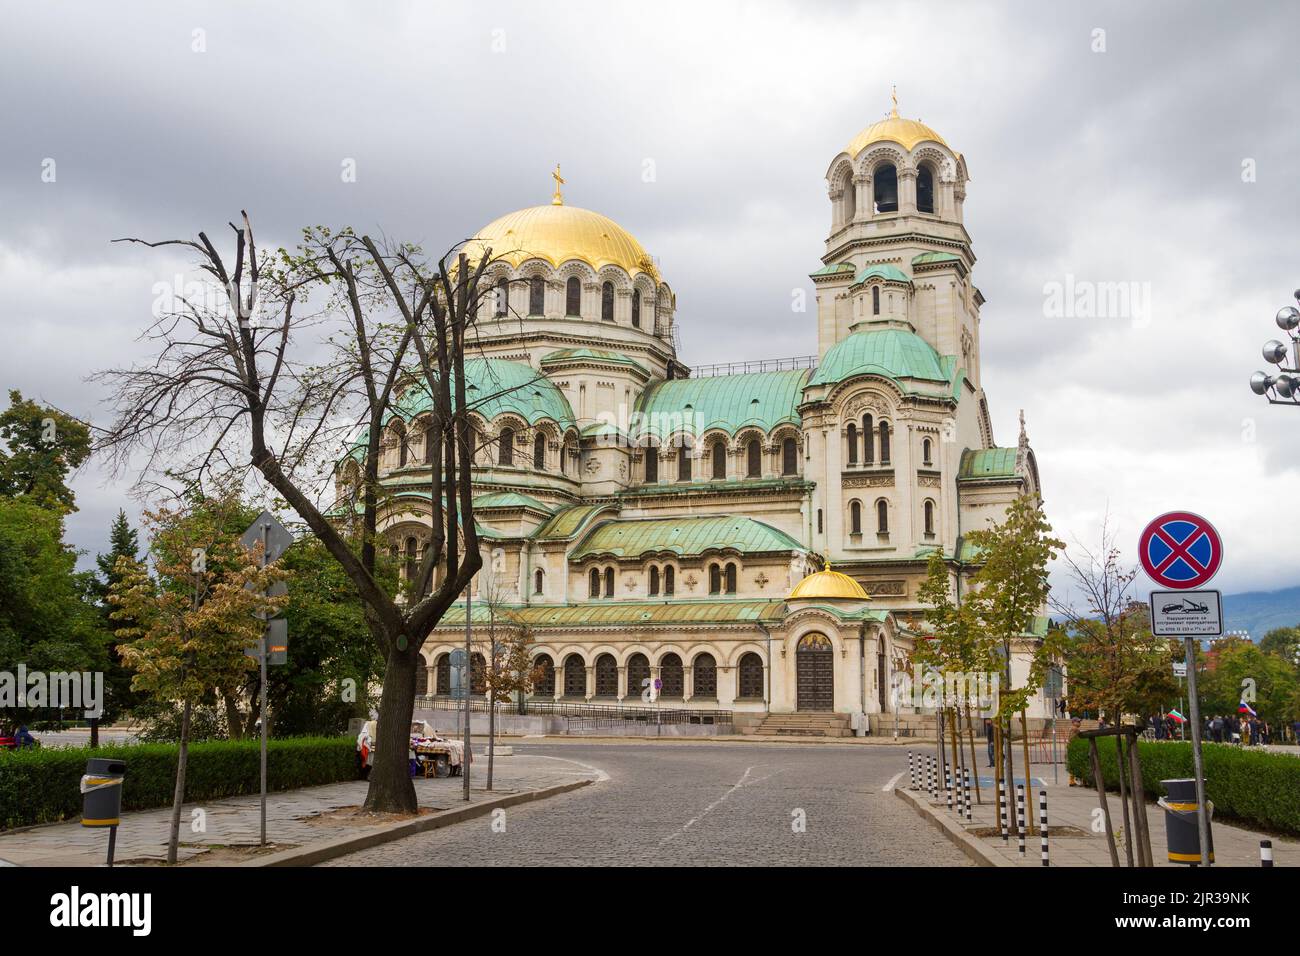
{"type": "Point", "coordinates": [632, 538]}
{"type": "Point", "coordinates": [893, 353]}
{"type": "Point", "coordinates": [833, 269]}
{"type": "Point", "coordinates": [927, 258]}
{"type": "Point", "coordinates": [497, 386]}
{"type": "Point", "coordinates": [566, 522]}
{"type": "Point", "coordinates": [979, 463]}
{"type": "Point", "coordinates": [890, 273]}
{"type": "Point", "coordinates": [789, 483]}
{"type": "Point", "coordinates": [591, 355]}
{"type": "Point", "coordinates": [623, 613]}
{"type": "Point", "coordinates": [509, 499]}
{"type": "Point", "coordinates": [728, 402]}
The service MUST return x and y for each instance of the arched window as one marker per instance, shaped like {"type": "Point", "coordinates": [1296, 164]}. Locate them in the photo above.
{"type": "Point", "coordinates": [428, 444]}
{"type": "Point", "coordinates": [636, 308]}
{"type": "Point", "coordinates": [536, 295]}
{"type": "Point", "coordinates": [412, 561]}
{"type": "Point", "coordinates": [753, 458]}
{"type": "Point", "coordinates": [403, 447]}
{"type": "Point", "coordinates": [928, 518]}
{"type": "Point", "coordinates": [704, 678]}
{"type": "Point", "coordinates": [855, 517]}
{"type": "Point", "coordinates": [719, 460]}
{"type": "Point", "coordinates": [882, 516]}
{"type": "Point", "coordinates": [573, 297]}
{"type": "Point", "coordinates": [851, 434]}
{"type": "Point", "coordinates": [651, 463]}
{"type": "Point", "coordinates": [884, 443]}
{"type": "Point", "coordinates": [925, 189]}
{"type": "Point", "coordinates": [875, 300]}
{"type": "Point", "coordinates": [654, 581]}
{"type": "Point", "coordinates": [593, 583]}
{"type": "Point", "coordinates": [730, 579]}
{"type": "Point", "coordinates": [538, 578]}
{"type": "Point", "coordinates": [749, 680]}
{"type": "Point", "coordinates": [926, 452]}
{"type": "Point", "coordinates": [503, 298]}
{"type": "Point", "coordinates": [544, 682]}
{"type": "Point", "coordinates": [669, 580]}
{"type": "Point", "coordinates": [539, 452]}
{"type": "Point", "coordinates": [819, 521]}
{"type": "Point", "coordinates": [683, 463]}
{"type": "Point", "coordinates": [609, 582]}
{"type": "Point", "coordinates": [606, 676]}
{"type": "Point", "coordinates": [607, 302]}
{"type": "Point", "coordinates": [442, 671]}
{"type": "Point", "coordinates": [670, 675]}
{"type": "Point", "coordinates": [477, 674]}
{"type": "Point", "coordinates": [868, 452]}
{"type": "Point", "coordinates": [715, 579]}
{"type": "Point", "coordinates": [506, 447]}
{"type": "Point", "coordinates": [789, 457]}
{"type": "Point", "coordinates": [564, 459]}
{"type": "Point", "coordinates": [638, 675]}
{"type": "Point", "coordinates": [575, 676]}
{"type": "Point", "coordinates": [885, 182]}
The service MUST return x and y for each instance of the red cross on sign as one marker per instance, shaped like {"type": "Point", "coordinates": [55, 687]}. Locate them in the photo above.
{"type": "Point", "coordinates": [1180, 550]}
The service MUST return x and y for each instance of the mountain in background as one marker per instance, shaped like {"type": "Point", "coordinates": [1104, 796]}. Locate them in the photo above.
{"type": "Point", "coordinates": [1258, 612]}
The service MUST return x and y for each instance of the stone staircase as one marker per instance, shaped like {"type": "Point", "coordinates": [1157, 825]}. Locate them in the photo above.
{"type": "Point", "coordinates": [805, 725]}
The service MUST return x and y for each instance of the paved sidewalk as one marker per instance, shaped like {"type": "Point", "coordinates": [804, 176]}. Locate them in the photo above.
{"type": "Point", "coordinates": [1071, 840]}
{"type": "Point", "coordinates": [294, 819]}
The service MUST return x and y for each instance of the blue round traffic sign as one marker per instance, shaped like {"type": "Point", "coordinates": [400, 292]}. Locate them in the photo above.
{"type": "Point", "coordinates": [1180, 550]}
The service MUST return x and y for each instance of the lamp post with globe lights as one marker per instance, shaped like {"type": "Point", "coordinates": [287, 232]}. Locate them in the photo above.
{"type": "Point", "coordinates": [1283, 388]}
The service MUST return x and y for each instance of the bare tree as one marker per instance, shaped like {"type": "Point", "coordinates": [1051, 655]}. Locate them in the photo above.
{"type": "Point", "coordinates": [296, 353]}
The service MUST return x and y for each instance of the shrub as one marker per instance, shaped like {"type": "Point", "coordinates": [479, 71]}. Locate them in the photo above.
{"type": "Point", "coordinates": [1250, 786]}
{"type": "Point", "coordinates": [43, 785]}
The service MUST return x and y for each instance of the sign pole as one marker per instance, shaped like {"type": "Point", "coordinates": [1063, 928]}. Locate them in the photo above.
{"type": "Point", "coordinates": [266, 650]}
{"type": "Point", "coordinates": [1194, 715]}
{"type": "Point", "coordinates": [467, 684]}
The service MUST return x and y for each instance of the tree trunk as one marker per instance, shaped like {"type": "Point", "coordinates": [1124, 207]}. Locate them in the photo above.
{"type": "Point", "coordinates": [970, 727]}
{"type": "Point", "coordinates": [492, 735]}
{"type": "Point", "coordinates": [1013, 823]}
{"type": "Point", "coordinates": [391, 790]}
{"type": "Point", "coordinates": [94, 731]}
{"type": "Point", "coordinates": [182, 757]}
{"type": "Point", "coordinates": [1024, 743]}
{"type": "Point", "coordinates": [234, 719]}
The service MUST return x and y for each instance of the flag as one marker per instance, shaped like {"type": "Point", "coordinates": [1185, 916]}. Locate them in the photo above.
{"type": "Point", "coordinates": [1179, 718]}
{"type": "Point", "coordinates": [1245, 708]}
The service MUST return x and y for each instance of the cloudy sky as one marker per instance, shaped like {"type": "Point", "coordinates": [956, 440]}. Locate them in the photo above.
{"type": "Point", "coordinates": [1153, 144]}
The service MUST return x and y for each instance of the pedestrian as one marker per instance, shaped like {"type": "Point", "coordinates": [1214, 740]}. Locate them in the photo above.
{"type": "Point", "coordinates": [23, 737]}
{"type": "Point", "coordinates": [988, 735]}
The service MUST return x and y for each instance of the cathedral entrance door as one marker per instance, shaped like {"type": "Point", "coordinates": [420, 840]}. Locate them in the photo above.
{"type": "Point", "coordinates": [815, 673]}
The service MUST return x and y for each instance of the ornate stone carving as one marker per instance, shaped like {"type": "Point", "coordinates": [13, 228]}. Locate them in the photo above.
{"type": "Point", "coordinates": [928, 481]}
{"type": "Point", "coordinates": [885, 588]}
{"type": "Point", "coordinates": [761, 580]}
{"type": "Point", "coordinates": [868, 481]}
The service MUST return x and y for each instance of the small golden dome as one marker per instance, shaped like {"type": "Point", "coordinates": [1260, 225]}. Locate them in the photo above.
{"type": "Point", "coordinates": [895, 129]}
{"type": "Point", "coordinates": [828, 584]}
{"type": "Point", "coordinates": [558, 233]}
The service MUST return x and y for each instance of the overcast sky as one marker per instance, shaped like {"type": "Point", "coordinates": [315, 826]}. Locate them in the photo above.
{"type": "Point", "coordinates": [1122, 164]}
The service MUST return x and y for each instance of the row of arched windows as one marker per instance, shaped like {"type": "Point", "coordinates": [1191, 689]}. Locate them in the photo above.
{"type": "Point", "coordinates": [572, 299]}
{"type": "Point", "coordinates": [884, 181]}
{"type": "Point", "coordinates": [660, 580]}
{"type": "Point", "coordinates": [868, 444]}
{"type": "Point", "coordinates": [722, 578]}
{"type": "Point", "coordinates": [882, 517]}
{"type": "Point", "coordinates": [753, 457]}
{"type": "Point", "coordinates": [505, 451]}
{"type": "Point", "coordinates": [672, 675]}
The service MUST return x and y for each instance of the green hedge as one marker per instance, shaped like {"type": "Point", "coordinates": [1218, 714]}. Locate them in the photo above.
{"type": "Point", "coordinates": [43, 785]}
{"type": "Point", "coordinates": [1246, 785]}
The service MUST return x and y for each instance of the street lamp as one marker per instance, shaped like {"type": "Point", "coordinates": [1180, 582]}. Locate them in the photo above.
{"type": "Point", "coordinates": [1282, 388]}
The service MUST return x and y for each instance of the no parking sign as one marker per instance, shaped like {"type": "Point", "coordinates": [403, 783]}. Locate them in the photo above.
{"type": "Point", "coordinates": [1180, 550]}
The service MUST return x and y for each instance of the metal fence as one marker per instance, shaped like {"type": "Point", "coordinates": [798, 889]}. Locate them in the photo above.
{"type": "Point", "coordinates": [572, 711]}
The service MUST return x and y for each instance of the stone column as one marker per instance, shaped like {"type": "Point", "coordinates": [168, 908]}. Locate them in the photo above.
{"type": "Point", "coordinates": [862, 183]}
{"type": "Point", "coordinates": [591, 681]}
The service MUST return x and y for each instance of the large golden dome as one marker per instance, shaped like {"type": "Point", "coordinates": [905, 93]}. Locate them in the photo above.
{"type": "Point", "coordinates": [558, 233]}
{"type": "Point", "coordinates": [895, 129]}
{"type": "Point", "coordinates": [828, 584]}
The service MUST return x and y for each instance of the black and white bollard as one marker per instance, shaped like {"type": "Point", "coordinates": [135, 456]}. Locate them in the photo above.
{"type": "Point", "coordinates": [911, 771]}
{"type": "Point", "coordinates": [947, 785]}
{"type": "Point", "coordinates": [930, 785]}
{"type": "Point", "coordinates": [1265, 852]}
{"type": "Point", "coordinates": [1020, 815]}
{"type": "Point", "coordinates": [966, 776]}
{"type": "Point", "coordinates": [1042, 822]}
{"type": "Point", "coordinates": [1002, 813]}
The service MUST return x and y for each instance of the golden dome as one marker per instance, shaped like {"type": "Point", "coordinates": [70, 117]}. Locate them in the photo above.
{"type": "Point", "coordinates": [558, 233]}
{"type": "Point", "coordinates": [828, 584]}
{"type": "Point", "coordinates": [895, 129]}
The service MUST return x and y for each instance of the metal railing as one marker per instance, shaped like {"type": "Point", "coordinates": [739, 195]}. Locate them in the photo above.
{"type": "Point", "coordinates": [572, 710]}
{"type": "Point", "coordinates": [755, 365]}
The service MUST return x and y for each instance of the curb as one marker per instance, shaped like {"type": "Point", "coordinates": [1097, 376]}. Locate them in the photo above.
{"type": "Point", "coordinates": [725, 739]}
{"type": "Point", "coordinates": [331, 849]}
{"type": "Point", "coordinates": [955, 833]}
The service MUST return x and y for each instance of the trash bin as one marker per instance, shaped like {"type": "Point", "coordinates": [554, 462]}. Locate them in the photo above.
{"type": "Point", "coordinates": [101, 792]}
{"type": "Point", "coordinates": [1182, 835]}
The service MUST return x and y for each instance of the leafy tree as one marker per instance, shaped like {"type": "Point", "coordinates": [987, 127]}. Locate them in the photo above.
{"type": "Point", "coordinates": [119, 698]}
{"type": "Point", "coordinates": [1284, 642]}
{"type": "Point", "coordinates": [41, 445]}
{"type": "Point", "coordinates": [1241, 670]}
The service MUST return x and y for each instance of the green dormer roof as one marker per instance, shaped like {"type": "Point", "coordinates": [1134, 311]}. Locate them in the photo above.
{"type": "Point", "coordinates": [567, 522]}
{"type": "Point", "coordinates": [566, 356]}
{"type": "Point", "coordinates": [832, 269]}
{"type": "Point", "coordinates": [931, 258]}
{"type": "Point", "coordinates": [496, 387]}
{"type": "Point", "coordinates": [684, 537]}
{"type": "Point", "coordinates": [729, 402]}
{"type": "Point", "coordinates": [892, 353]}
{"type": "Point", "coordinates": [509, 499]}
{"type": "Point", "coordinates": [883, 270]}
{"type": "Point", "coordinates": [977, 463]}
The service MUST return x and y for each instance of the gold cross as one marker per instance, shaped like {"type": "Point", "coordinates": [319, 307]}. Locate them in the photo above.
{"type": "Point", "coordinates": [557, 199]}
{"type": "Point", "coordinates": [894, 95]}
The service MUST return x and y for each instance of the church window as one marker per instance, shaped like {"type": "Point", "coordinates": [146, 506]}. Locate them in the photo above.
{"type": "Point", "coordinates": [537, 581]}
{"type": "Point", "coordinates": [719, 456]}
{"type": "Point", "coordinates": [654, 581]}
{"type": "Point", "coordinates": [683, 463]}
{"type": "Point", "coordinates": [609, 582]}
{"type": "Point", "coordinates": [750, 677]}
{"type": "Point", "coordinates": [443, 673]}
{"type": "Point", "coordinates": [820, 523]}
{"type": "Point", "coordinates": [412, 561]}
{"type": "Point", "coordinates": [875, 300]}
{"type": "Point", "coordinates": [606, 676]}
{"type": "Point", "coordinates": [607, 302]}
{"type": "Point", "coordinates": [855, 517]}
{"type": "Point", "coordinates": [669, 581]}
{"type": "Point", "coordinates": [536, 295]}
{"type": "Point", "coordinates": [705, 678]}
{"type": "Point", "coordinates": [403, 447]}
{"type": "Point", "coordinates": [593, 583]}
{"type": "Point", "coordinates": [789, 457]}
{"type": "Point", "coordinates": [851, 433]}
{"type": "Point", "coordinates": [925, 189]}
{"type": "Point", "coordinates": [638, 675]}
{"type": "Point", "coordinates": [928, 512]}
{"type": "Point", "coordinates": [544, 685]}
{"type": "Point", "coordinates": [428, 444]}
{"type": "Point", "coordinates": [730, 578]}
{"type": "Point", "coordinates": [573, 297]}
{"type": "Point", "coordinates": [503, 297]}
{"type": "Point", "coordinates": [670, 674]}
{"type": "Point", "coordinates": [884, 443]}
{"type": "Point", "coordinates": [636, 308]}
{"type": "Point", "coordinates": [477, 674]}
{"type": "Point", "coordinates": [539, 452]}
{"type": "Point", "coordinates": [927, 450]}
{"type": "Point", "coordinates": [715, 579]}
{"type": "Point", "coordinates": [506, 447]}
{"type": "Point", "coordinates": [575, 676]}
{"type": "Point", "coordinates": [882, 516]}
{"type": "Point", "coordinates": [754, 458]}
{"type": "Point", "coordinates": [651, 463]}
{"type": "Point", "coordinates": [885, 181]}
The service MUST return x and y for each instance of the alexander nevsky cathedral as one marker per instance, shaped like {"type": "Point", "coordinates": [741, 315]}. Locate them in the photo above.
{"type": "Point", "coordinates": [750, 539]}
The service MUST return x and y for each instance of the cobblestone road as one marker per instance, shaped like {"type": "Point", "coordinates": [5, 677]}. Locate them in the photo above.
{"type": "Point", "coordinates": [698, 804]}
